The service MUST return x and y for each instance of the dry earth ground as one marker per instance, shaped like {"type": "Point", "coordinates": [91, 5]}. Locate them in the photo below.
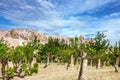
{"type": "Point", "coordinates": [59, 72]}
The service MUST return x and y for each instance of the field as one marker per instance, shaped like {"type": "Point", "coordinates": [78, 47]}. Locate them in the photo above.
{"type": "Point", "coordinates": [59, 72]}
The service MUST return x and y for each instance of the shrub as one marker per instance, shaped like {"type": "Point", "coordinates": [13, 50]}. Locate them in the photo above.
{"type": "Point", "coordinates": [10, 72]}
{"type": "Point", "coordinates": [34, 69]}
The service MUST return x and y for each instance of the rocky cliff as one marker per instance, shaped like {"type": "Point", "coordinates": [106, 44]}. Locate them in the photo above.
{"type": "Point", "coordinates": [17, 37]}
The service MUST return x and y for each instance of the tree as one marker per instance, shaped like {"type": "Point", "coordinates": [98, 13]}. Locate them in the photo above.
{"type": "Point", "coordinates": [21, 58]}
{"type": "Point", "coordinates": [49, 49]}
{"type": "Point", "coordinates": [82, 52]}
{"type": "Point", "coordinates": [116, 53]}
{"type": "Point", "coordinates": [3, 56]}
{"type": "Point", "coordinates": [98, 46]}
{"type": "Point", "coordinates": [29, 52]}
{"type": "Point", "coordinates": [74, 46]}
{"type": "Point", "coordinates": [18, 58]}
{"type": "Point", "coordinates": [63, 53]}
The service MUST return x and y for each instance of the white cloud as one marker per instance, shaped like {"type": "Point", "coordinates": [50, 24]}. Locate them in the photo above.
{"type": "Point", "coordinates": [47, 15]}
{"type": "Point", "coordinates": [45, 4]}
{"type": "Point", "coordinates": [91, 4]}
{"type": "Point", "coordinates": [115, 14]}
{"type": "Point", "coordinates": [79, 6]}
{"type": "Point", "coordinates": [112, 27]}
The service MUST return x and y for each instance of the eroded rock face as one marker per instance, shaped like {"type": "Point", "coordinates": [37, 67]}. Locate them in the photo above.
{"type": "Point", "coordinates": [81, 38]}
{"type": "Point", "coordinates": [14, 33]}
{"type": "Point", "coordinates": [16, 37]}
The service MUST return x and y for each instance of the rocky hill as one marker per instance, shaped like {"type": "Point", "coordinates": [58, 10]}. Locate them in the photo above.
{"type": "Point", "coordinates": [17, 37]}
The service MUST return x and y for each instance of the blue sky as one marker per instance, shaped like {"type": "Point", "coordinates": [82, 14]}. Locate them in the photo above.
{"type": "Point", "coordinates": [63, 17]}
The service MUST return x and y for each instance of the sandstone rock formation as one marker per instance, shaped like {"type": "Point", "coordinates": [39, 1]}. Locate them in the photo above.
{"type": "Point", "coordinates": [17, 37]}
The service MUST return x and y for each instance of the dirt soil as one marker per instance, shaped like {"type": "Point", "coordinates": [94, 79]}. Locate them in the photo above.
{"type": "Point", "coordinates": [59, 72]}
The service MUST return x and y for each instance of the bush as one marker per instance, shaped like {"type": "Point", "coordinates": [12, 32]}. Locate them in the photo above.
{"type": "Point", "coordinates": [34, 69]}
{"type": "Point", "coordinates": [10, 72]}
{"type": "Point", "coordinates": [24, 67]}
{"type": "Point", "coordinates": [38, 58]}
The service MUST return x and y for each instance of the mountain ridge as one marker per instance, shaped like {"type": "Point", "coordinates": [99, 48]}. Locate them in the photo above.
{"type": "Point", "coordinates": [15, 37]}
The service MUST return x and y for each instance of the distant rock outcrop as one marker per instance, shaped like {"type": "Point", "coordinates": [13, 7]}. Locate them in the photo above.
{"type": "Point", "coordinates": [17, 37]}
